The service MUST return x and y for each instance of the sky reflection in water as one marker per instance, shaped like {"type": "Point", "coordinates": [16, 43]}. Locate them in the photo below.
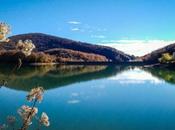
{"type": "Point", "coordinates": [129, 99]}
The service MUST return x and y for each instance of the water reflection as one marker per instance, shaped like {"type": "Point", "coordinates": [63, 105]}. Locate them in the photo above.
{"type": "Point", "coordinates": [54, 76]}
{"type": "Point", "coordinates": [165, 74]}
{"type": "Point", "coordinates": [122, 97]}
{"type": "Point", "coordinates": [136, 76]}
{"type": "Point", "coordinates": [50, 77]}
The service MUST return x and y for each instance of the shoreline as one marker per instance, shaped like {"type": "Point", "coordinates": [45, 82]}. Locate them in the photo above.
{"type": "Point", "coordinates": [90, 63]}
{"type": "Point", "coordinates": [131, 63]}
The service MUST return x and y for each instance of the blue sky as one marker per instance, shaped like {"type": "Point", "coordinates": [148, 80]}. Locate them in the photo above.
{"type": "Point", "coordinates": [92, 20]}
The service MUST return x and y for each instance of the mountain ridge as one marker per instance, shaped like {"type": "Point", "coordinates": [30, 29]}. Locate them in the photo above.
{"type": "Point", "coordinates": [45, 42]}
{"type": "Point", "coordinates": [61, 50]}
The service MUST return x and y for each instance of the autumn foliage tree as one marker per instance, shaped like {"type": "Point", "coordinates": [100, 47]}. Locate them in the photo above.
{"type": "Point", "coordinates": [4, 31]}
{"type": "Point", "coordinates": [26, 47]}
{"type": "Point", "coordinates": [166, 58]}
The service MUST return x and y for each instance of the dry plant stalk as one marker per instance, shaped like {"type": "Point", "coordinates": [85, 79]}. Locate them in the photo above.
{"type": "Point", "coordinates": [27, 113]}
{"type": "Point", "coordinates": [4, 31]}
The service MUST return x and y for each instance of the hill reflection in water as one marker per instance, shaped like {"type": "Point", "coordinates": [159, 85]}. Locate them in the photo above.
{"type": "Point", "coordinates": [51, 77]}
{"type": "Point", "coordinates": [168, 75]}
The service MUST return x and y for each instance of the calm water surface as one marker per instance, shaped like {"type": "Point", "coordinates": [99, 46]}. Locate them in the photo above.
{"type": "Point", "coordinates": [94, 97]}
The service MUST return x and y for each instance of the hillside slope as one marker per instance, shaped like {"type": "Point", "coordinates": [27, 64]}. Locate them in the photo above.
{"type": "Point", "coordinates": [44, 42]}
{"type": "Point", "coordinates": [153, 57]}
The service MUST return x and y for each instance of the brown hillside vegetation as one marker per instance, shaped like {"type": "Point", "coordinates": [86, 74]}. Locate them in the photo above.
{"type": "Point", "coordinates": [13, 56]}
{"type": "Point", "coordinates": [154, 56]}
{"type": "Point", "coordinates": [50, 56]}
{"type": "Point", "coordinates": [67, 55]}
{"type": "Point", "coordinates": [44, 42]}
{"type": "Point", "coordinates": [51, 49]}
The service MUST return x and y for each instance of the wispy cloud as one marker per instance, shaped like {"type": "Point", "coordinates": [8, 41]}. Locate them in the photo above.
{"type": "Point", "coordinates": [94, 29]}
{"type": "Point", "coordinates": [137, 47]}
{"type": "Point", "coordinates": [81, 27]}
{"type": "Point", "coordinates": [74, 22]}
{"type": "Point", "coordinates": [75, 29]}
{"type": "Point", "coordinates": [98, 36]}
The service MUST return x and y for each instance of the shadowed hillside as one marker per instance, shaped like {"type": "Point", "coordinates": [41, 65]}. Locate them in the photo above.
{"type": "Point", "coordinates": [153, 57]}
{"type": "Point", "coordinates": [44, 42]}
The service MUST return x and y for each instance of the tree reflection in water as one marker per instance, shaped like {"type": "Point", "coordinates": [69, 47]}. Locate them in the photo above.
{"type": "Point", "coordinates": [55, 76]}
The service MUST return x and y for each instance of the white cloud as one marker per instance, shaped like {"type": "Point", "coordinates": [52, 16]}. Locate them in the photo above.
{"type": "Point", "coordinates": [75, 29]}
{"type": "Point", "coordinates": [136, 76]}
{"type": "Point", "coordinates": [98, 36]}
{"type": "Point", "coordinates": [74, 22]}
{"type": "Point", "coordinates": [86, 28]}
{"type": "Point", "coordinates": [137, 47]}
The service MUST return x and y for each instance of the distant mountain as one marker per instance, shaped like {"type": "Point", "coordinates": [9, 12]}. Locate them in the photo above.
{"type": "Point", "coordinates": [47, 43]}
{"type": "Point", "coordinates": [153, 57]}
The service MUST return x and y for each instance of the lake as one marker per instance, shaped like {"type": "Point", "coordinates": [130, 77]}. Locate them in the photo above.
{"type": "Point", "coordinates": [93, 97]}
